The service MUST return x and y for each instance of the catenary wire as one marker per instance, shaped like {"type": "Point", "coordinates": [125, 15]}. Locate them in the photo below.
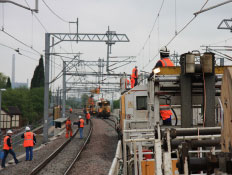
{"type": "Point", "coordinates": [52, 11]}
{"type": "Point", "coordinates": [185, 26]}
{"type": "Point", "coordinates": [148, 38]}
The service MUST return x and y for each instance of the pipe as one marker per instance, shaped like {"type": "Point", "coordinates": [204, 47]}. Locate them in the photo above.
{"type": "Point", "coordinates": [196, 143]}
{"type": "Point", "coordinates": [197, 137]}
{"type": "Point", "coordinates": [140, 140]}
{"type": "Point", "coordinates": [139, 130]}
{"type": "Point", "coordinates": [195, 131]}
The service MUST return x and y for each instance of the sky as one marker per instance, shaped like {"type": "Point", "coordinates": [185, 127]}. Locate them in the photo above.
{"type": "Point", "coordinates": [135, 18]}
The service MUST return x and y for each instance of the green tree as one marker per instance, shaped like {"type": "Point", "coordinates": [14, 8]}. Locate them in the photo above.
{"type": "Point", "coordinates": [3, 80]}
{"type": "Point", "coordinates": [38, 77]}
{"type": "Point", "coordinates": [8, 84]}
{"type": "Point", "coordinates": [84, 99]}
{"type": "Point", "coordinates": [29, 101]}
{"type": "Point", "coordinates": [116, 104]}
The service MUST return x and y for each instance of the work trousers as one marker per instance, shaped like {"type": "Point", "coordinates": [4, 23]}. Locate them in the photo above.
{"type": "Point", "coordinates": [87, 121]}
{"type": "Point", "coordinates": [136, 82]}
{"type": "Point", "coordinates": [81, 132]}
{"type": "Point", "coordinates": [29, 153]}
{"type": "Point", "coordinates": [67, 133]}
{"type": "Point", "coordinates": [6, 154]}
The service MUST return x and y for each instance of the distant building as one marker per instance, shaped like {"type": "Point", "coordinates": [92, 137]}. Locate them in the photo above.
{"type": "Point", "coordinates": [19, 85]}
{"type": "Point", "coordinates": [10, 118]}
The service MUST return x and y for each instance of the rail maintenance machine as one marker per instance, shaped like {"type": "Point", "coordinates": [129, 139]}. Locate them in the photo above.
{"type": "Point", "coordinates": [199, 141]}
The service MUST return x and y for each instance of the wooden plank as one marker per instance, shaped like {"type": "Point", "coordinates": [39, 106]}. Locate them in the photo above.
{"type": "Point", "coordinates": [226, 98]}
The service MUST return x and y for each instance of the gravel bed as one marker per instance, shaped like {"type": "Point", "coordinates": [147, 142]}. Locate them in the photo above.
{"type": "Point", "coordinates": [62, 161]}
{"type": "Point", "coordinates": [98, 155]}
{"type": "Point", "coordinates": [25, 167]}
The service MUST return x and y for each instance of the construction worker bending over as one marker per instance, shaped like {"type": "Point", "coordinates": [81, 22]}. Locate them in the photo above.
{"type": "Point", "coordinates": [134, 75]}
{"type": "Point", "coordinates": [80, 124]}
{"type": "Point", "coordinates": [166, 113]}
{"type": "Point", "coordinates": [87, 117]}
{"type": "Point", "coordinates": [68, 125]}
{"type": "Point", "coordinates": [29, 142]}
{"type": "Point", "coordinates": [7, 148]}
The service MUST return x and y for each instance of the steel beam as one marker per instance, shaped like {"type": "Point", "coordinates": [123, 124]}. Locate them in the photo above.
{"type": "Point", "coordinates": [46, 87]}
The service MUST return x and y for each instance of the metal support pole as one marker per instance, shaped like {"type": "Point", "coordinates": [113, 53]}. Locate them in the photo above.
{"type": "Point", "coordinates": [156, 105]}
{"type": "Point", "coordinates": [46, 87]}
{"type": "Point", "coordinates": [107, 56]}
{"type": "Point", "coordinates": [151, 101]}
{"type": "Point", "coordinates": [210, 101]}
{"type": "Point", "coordinates": [186, 102]}
{"type": "Point", "coordinates": [135, 158]}
{"type": "Point", "coordinates": [158, 157]}
{"type": "Point", "coordinates": [64, 89]}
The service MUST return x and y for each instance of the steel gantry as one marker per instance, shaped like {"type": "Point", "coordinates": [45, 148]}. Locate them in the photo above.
{"type": "Point", "coordinates": [110, 38]}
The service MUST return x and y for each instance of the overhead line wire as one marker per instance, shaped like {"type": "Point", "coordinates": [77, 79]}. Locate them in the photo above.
{"type": "Point", "coordinates": [185, 26]}
{"type": "Point", "coordinates": [54, 13]}
{"type": "Point", "coordinates": [151, 28]}
{"type": "Point", "coordinates": [13, 37]}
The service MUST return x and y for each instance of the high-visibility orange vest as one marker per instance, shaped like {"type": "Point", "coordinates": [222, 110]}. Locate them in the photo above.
{"type": "Point", "coordinates": [134, 73]}
{"type": "Point", "coordinates": [127, 82]}
{"type": "Point", "coordinates": [82, 123]}
{"type": "Point", "coordinates": [28, 139]}
{"type": "Point", "coordinates": [165, 112]}
{"type": "Point", "coordinates": [166, 62]}
{"type": "Point", "coordinates": [132, 82]}
{"type": "Point", "coordinates": [5, 146]}
{"type": "Point", "coordinates": [68, 124]}
{"type": "Point", "coordinates": [88, 116]}
{"type": "Point", "coordinates": [70, 109]}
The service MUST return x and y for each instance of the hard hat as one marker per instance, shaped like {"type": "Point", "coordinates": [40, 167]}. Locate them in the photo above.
{"type": "Point", "coordinates": [164, 50]}
{"type": "Point", "coordinates": [27, 129]}
{"type": "Point", "coordinates": [79, 116]}
{"type": "Point", "coordinates": [9, 132]}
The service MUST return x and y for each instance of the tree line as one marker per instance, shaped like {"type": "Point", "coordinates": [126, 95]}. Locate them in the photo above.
{"type": "Point", "coordinates": [29, 101]}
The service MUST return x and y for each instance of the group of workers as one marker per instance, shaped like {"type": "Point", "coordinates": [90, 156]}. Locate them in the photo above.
{"type": "Point", "coordinates": [80, 124]}
{"type": "Point", "coordinates": [28, 143]}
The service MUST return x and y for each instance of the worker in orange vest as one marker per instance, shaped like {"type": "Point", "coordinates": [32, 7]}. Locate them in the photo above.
{"type": "Point", "coordinates": [87, 117]}
{"type": "Point", "coordinates": [166, 113]}
{"type": "Point", "coordinates": [127, 82]}
{"type": "Point", "coordinates": [80, 124]}
{"type": "Point", "coordinates": [68, 126]}
{"type": "Point", "coordinates": [70, 110]}
{"type": "Point", "coordinates": [165, 110]}
{"type": "Point", "coordinates": [164, 59]}
{"type": "Point", "coordinates": [132, 82]}
{"type": "Point", "coordinates": [29, 142]}
{"type": "Point", "coordinates": [134, 75]}
{"type": "Point", "coordinates": [7, 148]}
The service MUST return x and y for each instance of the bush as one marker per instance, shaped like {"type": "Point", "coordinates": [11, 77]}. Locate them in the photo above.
{"type": "Point", "coordinates": [29, 101]}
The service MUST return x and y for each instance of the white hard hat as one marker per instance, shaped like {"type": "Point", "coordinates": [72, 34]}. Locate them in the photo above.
{"type": "Point", "coordinates": [79, 116]}
{"type": "Point", "coordinates": [27, 129]}
{"type": "Point", "coordinates": [164, 50]}
{"type": "Point", "coordinates": [9, 132]}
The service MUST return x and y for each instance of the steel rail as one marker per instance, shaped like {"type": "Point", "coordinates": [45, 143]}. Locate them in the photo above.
{"type": "Point", "coordinates": [82, 148]}
{"type": "Point", "coordinates": [37, 169]}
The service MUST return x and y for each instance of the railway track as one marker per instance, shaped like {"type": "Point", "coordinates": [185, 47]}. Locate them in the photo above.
{"type": "Point", "coordinates": [110, 122]}
{"type": "Point", "coordinates": [59, 150]}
